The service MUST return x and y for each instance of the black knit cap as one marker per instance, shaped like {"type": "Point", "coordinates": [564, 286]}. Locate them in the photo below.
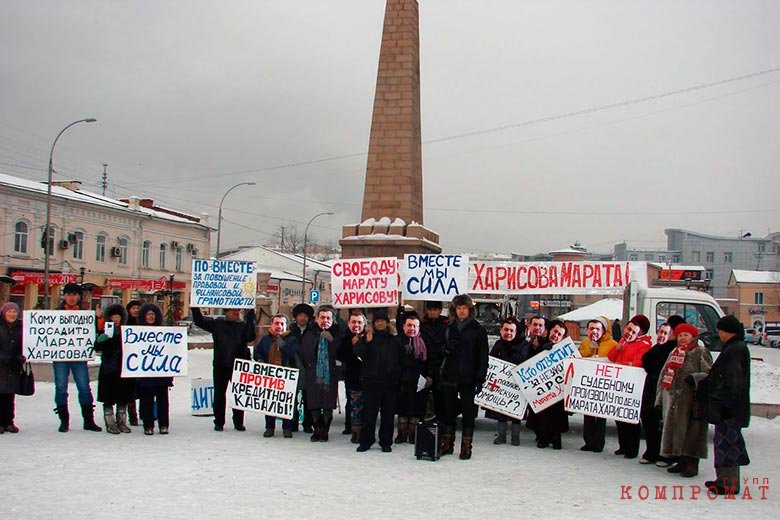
{"type": "Point", "coordinates": [731, 325]}
{"type": "Point", "coordinates": [71, 288]}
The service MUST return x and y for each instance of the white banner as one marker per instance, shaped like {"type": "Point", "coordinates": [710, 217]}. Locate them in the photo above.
{"type": "Point", "coordinates": [434, 277]}
{"type": "Point", "coordinates": [365, 282]}
{"type": "Point", "coordinates": [541, 377]}
{"type": "Point", "coordinates": [263, 388]}
{"type": "Point", "coordinates": [229, 284]}
{"type": "Point", "coordinates": [603, 389]}
{"type": "Point", "coordinates": [548, 277]}
{"type": "Point", "coordinates": [500, 392]}
{"type": "Point", "coordinates": [154, 351]}
{"type": "Point", "coordinates": [59, 335]}
{"type": "Point", "coordinates": [202, 397]}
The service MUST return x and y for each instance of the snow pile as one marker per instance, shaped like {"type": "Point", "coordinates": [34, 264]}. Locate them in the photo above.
{"type": "Point", "coordinates": [764, 383]}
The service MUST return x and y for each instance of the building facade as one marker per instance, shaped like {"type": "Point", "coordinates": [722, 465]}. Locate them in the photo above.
{"type": "Point", "coordinates": [757, 296]}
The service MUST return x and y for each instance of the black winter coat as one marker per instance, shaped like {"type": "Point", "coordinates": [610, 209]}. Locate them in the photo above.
{"type": "Point", "coordinates": [509, 352]}
{"type": "Point", "coordinates": [110, 353]}
{"type": "Point", "coordinates": [653, 362]}
{"type": "Point", "coordinates": [381, 359]}
{"type": "Point", "coordinates": [351, 364]}
{"type": "Point", "coordinates": [411, 367]}
{"type": "Point", "coordinates": [11, 357]}
{"type": "Point", "coordinates": [230, 337]}
{"type": "Point", "coordinates": [727, 388]}
{"type": "Point", "coordinates": [319, 396]}
{"type": "Point", "coordinates": [465, 355]}
{"type": "Point", "coordinates": [434, 333]}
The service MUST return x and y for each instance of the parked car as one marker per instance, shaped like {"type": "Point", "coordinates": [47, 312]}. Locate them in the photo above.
{"type": "Point", "coordinates": [772, 336]}
{"type": "Point", "coordinates": [754, 336]}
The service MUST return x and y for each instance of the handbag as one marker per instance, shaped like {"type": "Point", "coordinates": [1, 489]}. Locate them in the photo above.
{"type": "Point", "coordinates": [26, 381]}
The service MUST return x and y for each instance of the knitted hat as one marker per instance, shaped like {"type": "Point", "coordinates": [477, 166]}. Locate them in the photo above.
{"type": "Point", "coordinates": [71, 288]}
{"type": "Point", "coordinates": [7, 307]}
{"type": "Point", "coordinates": [730, 324]}
{"type": "Point", "coordinates": [604, 322]}
{"type": "Point", "coordinates": [686, 327]}
{"type": "Point", "coordinates": [641, 321]}
{"type": "Point", "coordinates": [303, 308]}
{"type": "Point", "coordinates": [380, 315]}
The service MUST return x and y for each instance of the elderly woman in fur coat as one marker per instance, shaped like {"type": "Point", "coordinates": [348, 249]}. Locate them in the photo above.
{"type": "Point", "coordinates": [685, 428]}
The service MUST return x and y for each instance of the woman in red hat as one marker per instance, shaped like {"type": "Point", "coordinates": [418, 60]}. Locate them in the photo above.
{"type": "Point", "coordinates": [685, 428]}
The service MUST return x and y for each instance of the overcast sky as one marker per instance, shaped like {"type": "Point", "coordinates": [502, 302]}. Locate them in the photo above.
{"type": "Point", "coordinates": [193, 97]}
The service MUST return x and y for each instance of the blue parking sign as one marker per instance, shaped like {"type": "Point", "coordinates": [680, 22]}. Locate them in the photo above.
{"type": "Point", "coordinates": [314, 296]}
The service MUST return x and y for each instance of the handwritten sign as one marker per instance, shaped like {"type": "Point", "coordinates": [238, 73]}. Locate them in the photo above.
{"type": "Point", "coordinates": [548, 277]}
{"type": "Point", "coordinates": [230, 284]}
{"type": "Point", "coordinates": [263, 388]}
{"type": "Point", "coordinates": [500, 392]}
{"type": "Point", "coordinates": [541, 377]}
{"type": "Point", "coordinates": [154, 351]}
{"type": "Point", "coordinates": [365, 282]}
{"type": "Point", "coordinates": [434, 277]}
{"type": "Point", "coordinates": [58, 335]}
{"type": "Point", "coordinates": [202, 397]}
{"type": "Point", "coordinates": [603, 389]}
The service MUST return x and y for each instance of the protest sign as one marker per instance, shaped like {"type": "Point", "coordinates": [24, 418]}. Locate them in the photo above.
{"type": "Point", "coordinates": [365, 282]}
{"type": "Point", "coordinates": [434, 277]}
{"type": "Point", "coordinates": [263, 388]}
{"type": "Point", "coordinates": [59, 335]}
{"type": "Point", "coordinates": [541, 377]}
{"type": "Point", "coordinates": [603, 389]}
{"type": "Point", "coordinates": [202, 397]}
{"type": "Point", "coordinates": [548, 277]}
{"type": "Point", "coordinates": [154, 351]}
{"type": "Point", "coordinates": [500, 392]}
{"type": "Point", "coordinates": [229, 284]}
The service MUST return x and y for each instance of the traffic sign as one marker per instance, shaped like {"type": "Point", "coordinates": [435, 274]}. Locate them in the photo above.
{"type": "Point", "coordinates": [314, 296]}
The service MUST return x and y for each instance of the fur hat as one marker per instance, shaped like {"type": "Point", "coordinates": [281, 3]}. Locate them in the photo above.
{"type": "Point", "coordinates": [113, 309]}
{"type": "Point", "coordinates": [731, 325]}
{"type": "Point", "coordinates": [71, 288]}
{"type": "Point", "coordinates": [304, 308]}
{"type": "Point", "coordinates": [686, 327]}
{"type": "Point", "coordinates": [433, 304]}
{"type": "Point", "coordinates": [145, 308]}
{"type": "Point", "coordinates": [132, 303]}
{"type": "Point", "coordinates": [462, 299]}
{"type": "Point", "coordinates": [641, 321]}
{"type": "Point", "coordinates": [380, 314]}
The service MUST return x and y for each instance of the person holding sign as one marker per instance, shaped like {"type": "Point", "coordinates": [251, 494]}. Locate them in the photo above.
{"type": "Point", "coordinates": [278, 348]}
{"type": "Point", "coordinates": [132, 308]}
{"type": "Point", "coordinates": [230, 337]}
{"type": "Point", "coordinates": [318, 351]}
{"type": "Point", "coordinates": [71, 302]}
{"type": "Point", "coordinates": [11, 362]}
{"type": "Point", "coordinates": [112, 388]}
{"type": "Point", "coordinates": [685, 428]}
{"type": "Point", "coordinates": [507, 348]}
{"type": "Point", "coordinates": [415, 379]}
{"type": "Point", "coordinates": [598, 344]}
{"type": "Point", "coordinates": [433, 329]}
{"type": "Point", "coordinates": [550, 423]}
{"type": "Point", "coordinates": [629, 351]}
{"type": "Point", "coordinates": [463, 373]}
{"type": "Point", "coordinates": [153, 389]}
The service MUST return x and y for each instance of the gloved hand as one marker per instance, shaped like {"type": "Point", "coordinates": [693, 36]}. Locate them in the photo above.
{"type": "Point", "coordinates": [249, 314]}
{"type": "Point", "coordinates": [102, 338]}
{"type": "Point", "coordinates": [327, 336]}
{"type": "Point", "coordinates": [691, 382]}
{"type": "Point", "coordinates": [428, 382]}
{"type": "Point", "coordinates": [279, 342]}
{"type": "Point", "coordinates": [477, 389]}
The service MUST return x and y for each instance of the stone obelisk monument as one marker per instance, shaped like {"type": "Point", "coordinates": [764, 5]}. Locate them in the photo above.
{"type": "Point", "coordinates": [393, 193]}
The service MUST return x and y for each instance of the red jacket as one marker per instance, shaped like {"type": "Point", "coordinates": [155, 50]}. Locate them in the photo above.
{"type": "Point", "coordinates": [631, 353]}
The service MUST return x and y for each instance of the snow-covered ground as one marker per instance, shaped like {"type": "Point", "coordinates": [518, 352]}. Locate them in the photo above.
{"type": "Point", "coordinates": [196, 472]}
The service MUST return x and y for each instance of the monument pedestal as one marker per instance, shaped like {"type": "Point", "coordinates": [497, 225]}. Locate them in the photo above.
{"type": "Point", "coordinates": [381, 239]}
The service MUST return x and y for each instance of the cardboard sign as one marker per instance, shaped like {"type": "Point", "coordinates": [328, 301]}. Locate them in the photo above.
{"type": "Point", "coordinates": [541, 377]}
{"type": "Point", "coordinates": [603, 389]}
{"type": "Point", "coordinates": [500, 392]}
{"type": "Point", "coordinates": [434, 277]}
{"type": "Point", "coordinates": [548, 277]}
{"type": "Point", "coordinates": [154, 351]}
{"type": "Point", "coordinates": [202, 397]}
{"type": "Point", "coordinates": [365, 282]}
{"type": "Point", "coordinates": [229, 284]}
{"type": "Point", "coordinates": [59, 335]}
{"type": "Point", "coordinates": [263, 388]}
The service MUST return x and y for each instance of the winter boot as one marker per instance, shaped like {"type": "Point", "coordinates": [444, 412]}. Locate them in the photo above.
{"type": "Point", "coordinates": [88, 413]}
{"type": "Point", "coordinates": [316, 419]}
{"type": "Point", "coordinates": [515, 434]}
{"type": "Point", "coordinates": [327, 418]}
{"type": "Point", "coordinates": [501, 437]}
{"type": "Point", "coordinates": [556, 442]}
{"type": "Point", "coordinates": [121, 419]}
{"type": "Point", "coordinates": [679, 466]}
{"type": "Point", "coordinates": [726, 481]}
{"type": "Point", "coordinates": [132, 412]}
{"type": "Point", "coordinates": [108, 417]}
{"type": "Point", "coordinates": [447, 442]}
{"type": "Point", "coordinates": [465, 444]}
{"type": "Point", "coordinates": [413, 422]}
{"type": "Point", "coordinates": [403, 430]}
{"type": "Point", "coordinates": [355, 430]}
{"type": "Point", "coordinates": [692, 469]}
{"type": "Point", "coordinates": [62, 411]}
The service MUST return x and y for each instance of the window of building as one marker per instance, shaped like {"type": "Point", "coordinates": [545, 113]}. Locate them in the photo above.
{"type": "Point", "coordinates": [662, 258]}
{"type": "Point", "coordinates": [648, 257]}
{"type": "Point", "coordinates": [728, 257]}
{"type": "Point", "coordinates": [710, 274]}
{"type": "Point", "coordinates": [100, 247]}
{"type": "Point", "coordinates": [633, 257]}
{"type": "Point", "coordinates": [78, 245]}
{"type": "Point", "coordinates": [676, 259]}
{"type": "Point", "coordinates": [52, 233]}
{"type": "Point", "coordinates": [761, 247]}
{"type": "Point", "coordinates": [758, 298]}
{"type": "Point", "coordinates": [123, 251]}
{"type": "Point", "coordinates": [162, 256]}
{"type": "Point", "coordinates": [20, 237]}
{"type": "Point", "coordinates": [179, 256]}
{"type": "Point", "coordinates": [145, 252]}
{"type": "Point", "coordinates": [696, 256]}
{"type": "Point", "coordinates": [711, 257]}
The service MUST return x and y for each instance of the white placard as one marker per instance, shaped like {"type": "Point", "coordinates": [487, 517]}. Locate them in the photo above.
{"type": "Point", "coordinates": [501, 393]}
{"type": "Point", "coordinates": [548, 277]}
{"type": "Point", "coordinates": [263, 388]}
{"type": "Point", "coordinates": [434, 277]}
{"type": "Point", "coordinates": [59, 335]}
{"type": "Point", "coordinates": [154, 351]}
{"type": "Point", "coordinates": [202, 397]}
{"type": "Point", "coordinates": [541, 377]}
{"type": "Point", "coordinates": [365, 282]}
{"type": "Point", "coordinates": [229, 284]}
{"type": "Point", "coordinates": [603, 389]}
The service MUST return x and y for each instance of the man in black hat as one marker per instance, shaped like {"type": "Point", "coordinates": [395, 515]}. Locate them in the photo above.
{"type": "Point", "coordinates": [433, 327]}
{"type": "Point", "coordinates": [302, 314]}
{"type": "Point", "coordinates": [71, 302]}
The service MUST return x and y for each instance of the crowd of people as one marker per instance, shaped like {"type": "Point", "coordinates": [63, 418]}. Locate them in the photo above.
{"type": "Point", "coordinates": [423, 369]}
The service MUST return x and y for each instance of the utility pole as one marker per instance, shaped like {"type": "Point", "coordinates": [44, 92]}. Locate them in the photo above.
{"type": "Point", "coordinates": [281, 246]}
{"type": "Point", "coordinates": [104, 183]}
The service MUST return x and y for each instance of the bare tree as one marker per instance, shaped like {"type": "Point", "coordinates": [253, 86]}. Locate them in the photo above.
{"type": "Point", "coordinates": [288, 239]}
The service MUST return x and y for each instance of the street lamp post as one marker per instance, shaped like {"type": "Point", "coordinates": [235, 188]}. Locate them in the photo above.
{"type": "Point", "coordinates": [47, 230]}
{"type": "Point", "coordinates": [305, 241]}
{"type": "Point", "coordinates": [219, 218]}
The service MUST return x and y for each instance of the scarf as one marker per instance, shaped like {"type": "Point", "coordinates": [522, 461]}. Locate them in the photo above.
{"type": "Point", "coordinates": [275, 352]}
{"type": "Point", "coordinates": [675, 361]}
{"type": "Point", "coordinates": [417, 345]}
{"type": "Point", "coordinates": [323, 361]}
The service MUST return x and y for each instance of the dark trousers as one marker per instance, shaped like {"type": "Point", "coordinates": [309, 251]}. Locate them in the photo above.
{"type": "Point", "coordinates": [378, 398]}
{"type": "Point", "coordinates": [452, 406]}
{"type": "Point", "coordinates": [222, 377]}
{"type": "Point", "coordinates": [651, 421]}
{"type": "Point", "coordinates": [593, 432]}
{"type": "Point", "coordinates": [347, 408]}
{"type": "Point", "coordinates": [7, 407]}
{"type": "Point", "coordinates": [270, 423]}
{"type": "Point", "coordinates": [308, 421]}
{"type": "Point", "coordinates": [628, 438]}
{"type": "Point", "coordinates": [147, 397]}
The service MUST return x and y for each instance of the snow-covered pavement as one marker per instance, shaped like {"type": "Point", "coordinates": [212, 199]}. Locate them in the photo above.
{"type": "Point", "coordinates": [196, 473]}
